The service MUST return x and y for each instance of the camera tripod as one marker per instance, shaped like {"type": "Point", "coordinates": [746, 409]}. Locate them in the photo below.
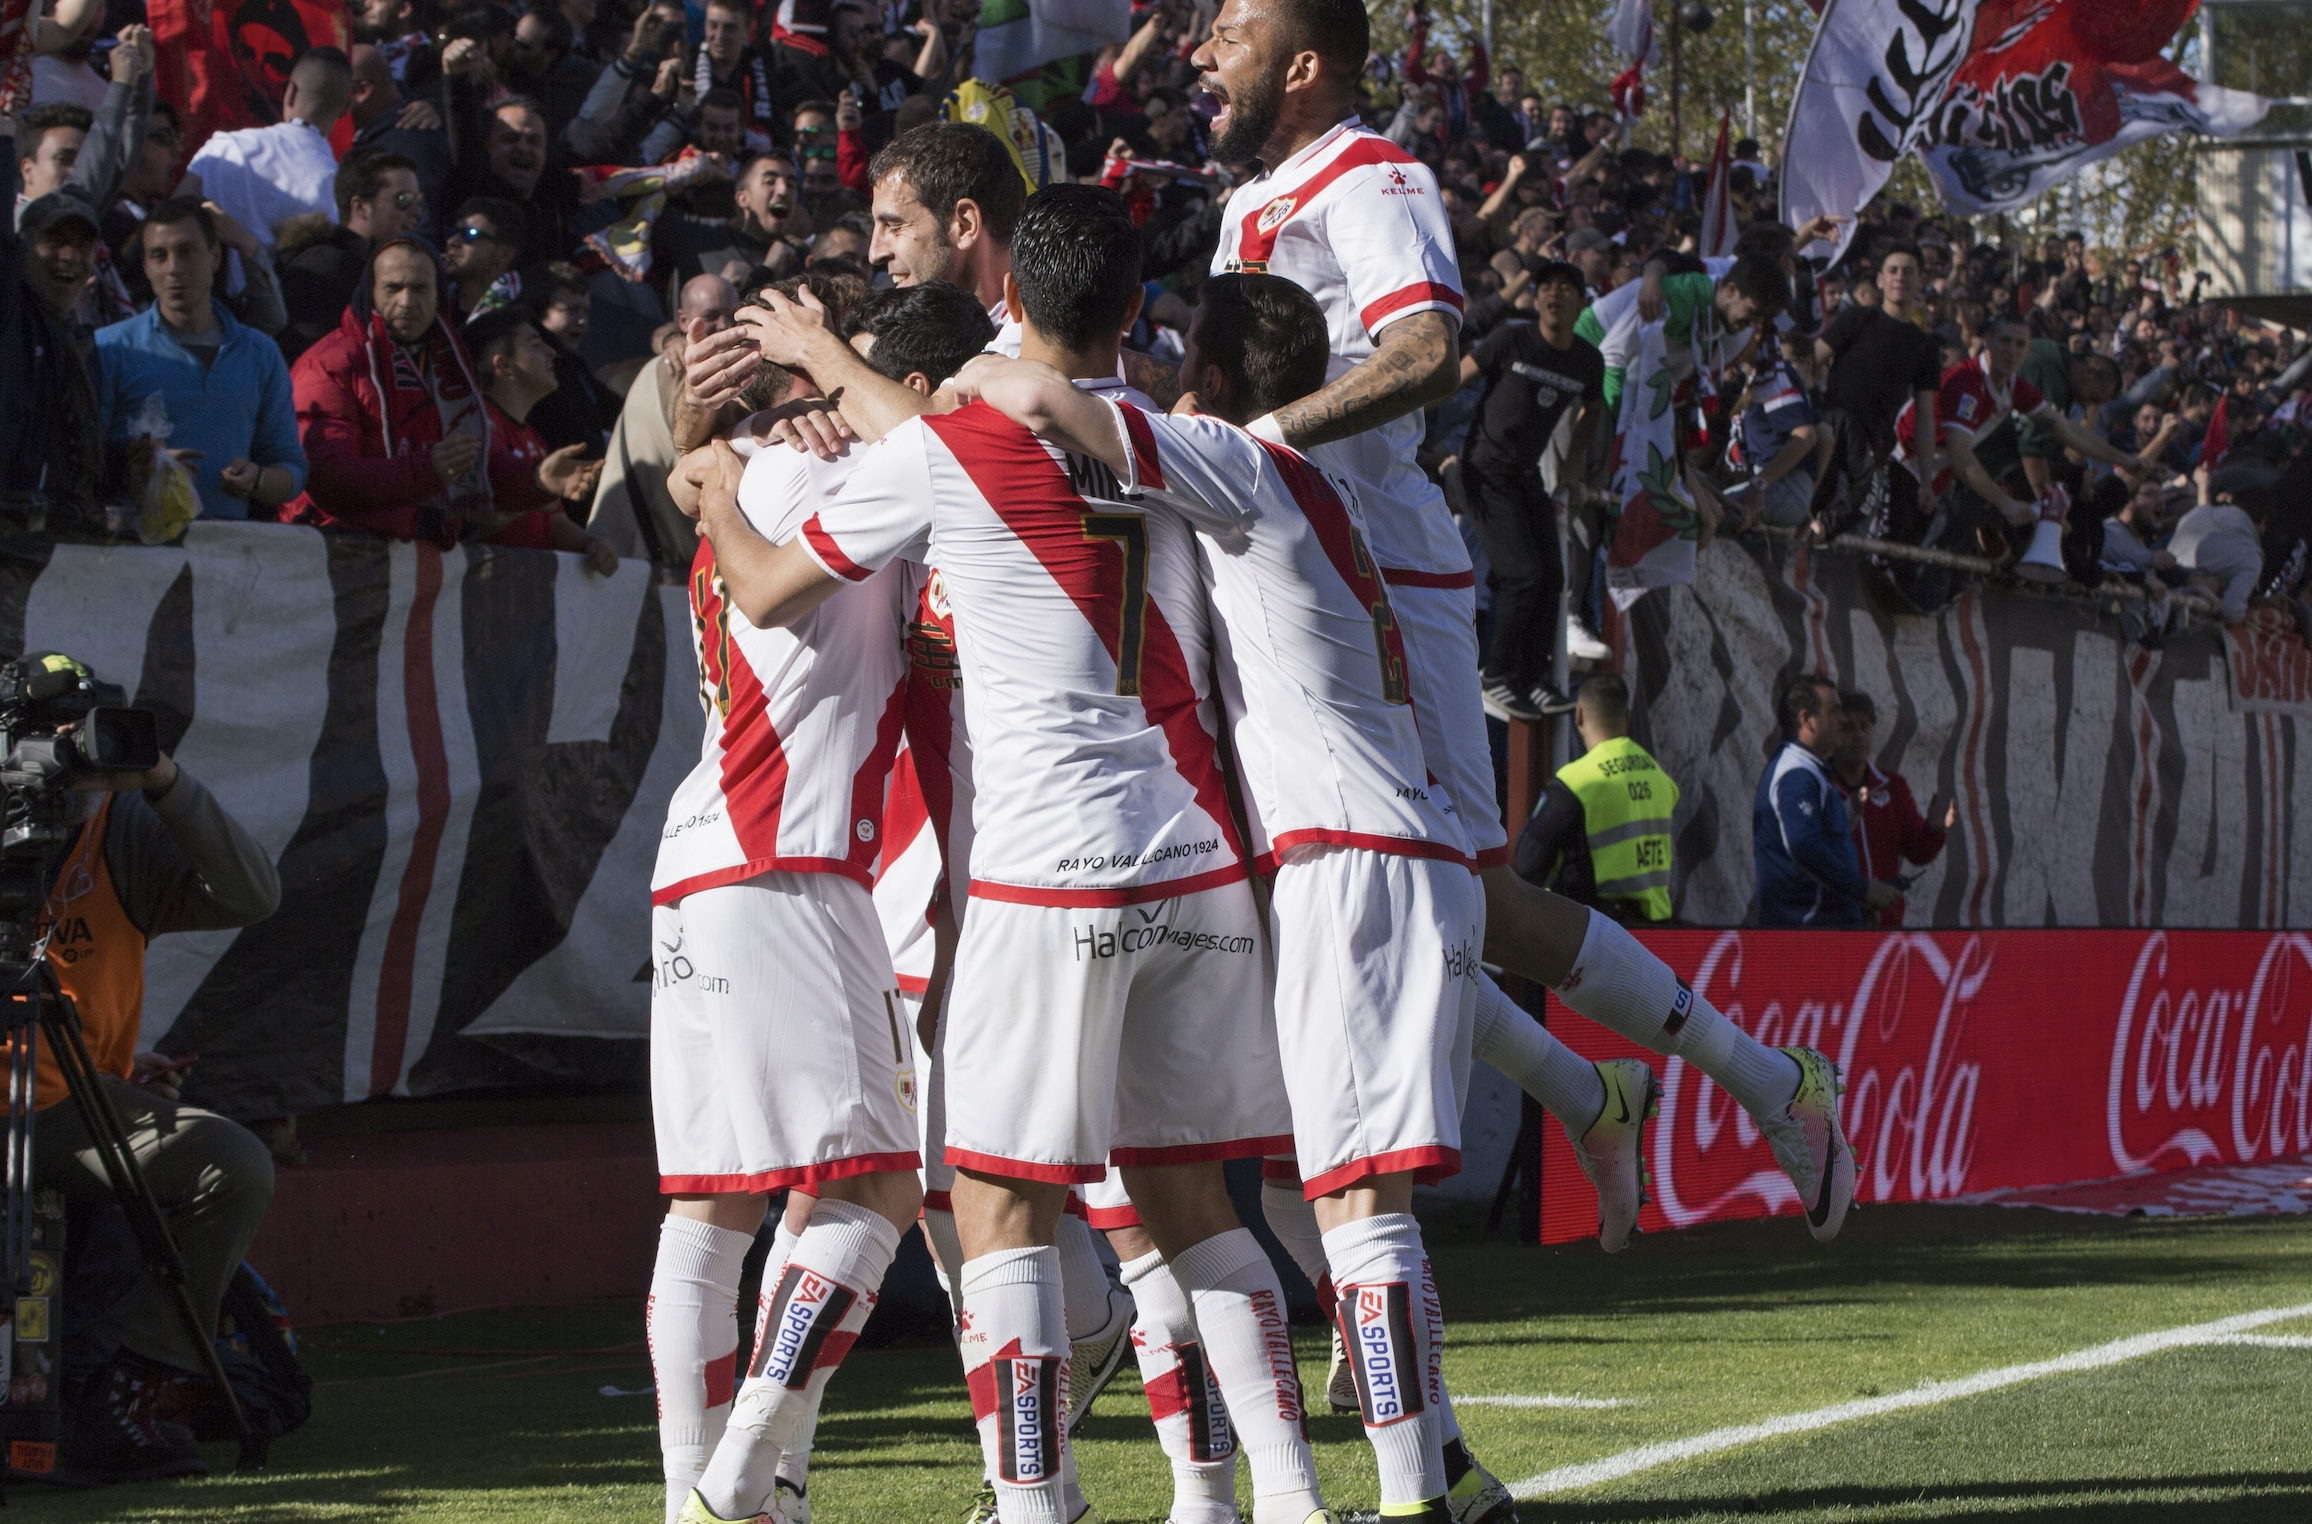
{"type": "Point", "coordinates": [33, 1007]}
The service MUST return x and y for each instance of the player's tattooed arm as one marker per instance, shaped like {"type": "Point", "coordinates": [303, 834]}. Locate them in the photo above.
{"type": "Point", "coordinates": [772, 584]}
{"type": "Point", "coordinates": [1160, 379]}
{"type": "Point", "coordinates": [1415, 365]}
{"type": "Point", "coordinates": [1047, 404]}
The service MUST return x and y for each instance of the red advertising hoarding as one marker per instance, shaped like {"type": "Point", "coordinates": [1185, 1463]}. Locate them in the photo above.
{"type": "Point", "coordinates": [1976, 1060]}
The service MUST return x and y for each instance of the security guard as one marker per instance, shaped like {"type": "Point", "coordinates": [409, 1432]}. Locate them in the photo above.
{"type": "Point", "coordinates": [1602, 833]}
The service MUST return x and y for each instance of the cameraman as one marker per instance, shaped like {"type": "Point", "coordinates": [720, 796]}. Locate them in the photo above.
{"type": "Point", "coordinates": [157, 854]}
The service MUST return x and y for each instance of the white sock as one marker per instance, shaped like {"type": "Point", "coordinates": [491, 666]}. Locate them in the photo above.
{"type": "Point", "coordinates": [1083, 1279]}
{"type": "Point", "coordinates": [1508, 1038]}
{"type": "Point", "coordinates": [1240, 1310]}
{"type": "Point", "coordinates": [1448, 1426]}
{"type": "Point", "coordinates": [783, 1240]}
{"type": "Point", "coordinates": [820, 1303]}
{"type": "Point", "coordinates": [1293, 1219]}
{"type": "Point", "coordinates": [1192, 1425]}
{"type": "Point", "coordinates": [1384, 1322]}
{"type": "Point", "coordinates": [1015, 1361]}
{"type": "Point", "coordinates": [692, 1327]}
{"type": "Point", "coordinates": [1618, 984]}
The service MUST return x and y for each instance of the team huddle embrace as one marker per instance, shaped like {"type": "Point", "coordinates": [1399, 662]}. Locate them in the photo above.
{"type": "Point", "coordinates": [1094, 793]}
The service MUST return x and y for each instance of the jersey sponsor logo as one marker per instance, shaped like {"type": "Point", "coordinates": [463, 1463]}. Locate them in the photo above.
{"type": "Point", "coordinates": [1273, 215]}
{"type": "Point", "coordinates": [1461, 960]}
{"type": "Point", "coordinates": [803, 1316]}
{"type": "Point", "coordinates": [1150, 930]}
{"type": "Point", "coordinates": [1377, 1323]}
{"type": "Point", "coordinates": [1398, 185]}
{"type": "Point", "coordinates": [1027, 1418]}
{"type": "Point", "coordinates": [1967, 409]}
{"type": "Point", "coordinates": [864, 830]}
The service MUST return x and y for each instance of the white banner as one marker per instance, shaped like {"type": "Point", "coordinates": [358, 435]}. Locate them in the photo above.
{"type": "Point", "coordinates": [1874, 76]}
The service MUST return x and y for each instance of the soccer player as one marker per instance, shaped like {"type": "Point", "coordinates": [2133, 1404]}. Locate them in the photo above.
{"type": "Point", "coordinates": [1376, 916]}
{"type": "Point", "coordinates": [777, 1056]}
{"type": "Point", "coordinates": [1356, 222]}
{"type": "Point", "coordinates": [1107, 1000]}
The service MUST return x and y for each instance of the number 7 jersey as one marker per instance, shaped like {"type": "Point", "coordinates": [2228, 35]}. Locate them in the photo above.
{"type": "Point", "coordinates": [1083, 637]}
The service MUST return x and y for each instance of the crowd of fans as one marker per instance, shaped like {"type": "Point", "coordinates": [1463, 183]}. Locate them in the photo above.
{"type": "Point", "coordinates": [475, 322]}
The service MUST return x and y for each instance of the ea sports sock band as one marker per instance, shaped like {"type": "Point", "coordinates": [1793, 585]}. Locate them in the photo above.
{"type": "Point", "coordinates": [1618, 984]}
{"type": "Point", "coordinates": [1384, 1321]}
{"type": "Point", "coordinates": [1240, 1309]}
{"type": "Point", "coordinates": [821, 1301]}
{"type": "Point", "coordinates": [692, 1328]}
{"type": "Point", "coordinates": [1192, 1426]}
{"type": "Point", "coordinates": [1083, 1278]}
{"type": "Point", "coordinates": [1508, 1038]}
{"type": "Point", "coordinates": [1293, 1219]}
{"type": "Point", "coordinates": [1015, 1361]}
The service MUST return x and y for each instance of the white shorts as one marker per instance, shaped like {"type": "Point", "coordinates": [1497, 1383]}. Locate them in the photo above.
{"type": "Point", "coordinates": [779, 1055]}
{"type": "Point", "coordinates": [1103, 1204]}
{"type": "Point", "coordinates": [1376, 995]}
{"type": "Point", "coordinates": [1439, 625]}
{"type": "Point", "coordinates": [1135, 1034]}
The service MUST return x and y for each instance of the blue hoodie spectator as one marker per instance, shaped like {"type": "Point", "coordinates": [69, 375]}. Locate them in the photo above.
{"type": "Point", "coordinates": [1801, 833]}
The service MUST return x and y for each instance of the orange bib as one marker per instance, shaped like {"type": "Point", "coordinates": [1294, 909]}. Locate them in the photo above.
{"type": "Point", "coordinates": [99, 958]}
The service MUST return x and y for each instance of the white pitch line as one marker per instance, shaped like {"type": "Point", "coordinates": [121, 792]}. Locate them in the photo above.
{"type": "Point", "coordinates": [2267, 1341]}
{"type": "Point", "coordinates": [1647, 1457]}
{"type": "Point", "coordinates": [1546, 1400]}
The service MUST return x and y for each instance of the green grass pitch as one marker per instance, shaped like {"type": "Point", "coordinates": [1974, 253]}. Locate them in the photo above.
{"type": "Point", "coordinates": [462, 1417]}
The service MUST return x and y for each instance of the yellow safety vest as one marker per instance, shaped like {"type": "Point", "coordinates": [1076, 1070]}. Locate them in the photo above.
{"type": "Point", "coordinates": [1626, 802]}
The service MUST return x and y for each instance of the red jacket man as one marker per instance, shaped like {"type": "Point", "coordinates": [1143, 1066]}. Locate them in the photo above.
{"type": "Point", "coordinates": [398, 437]}
{"type": "Point", "coordinates": [1888, 828]}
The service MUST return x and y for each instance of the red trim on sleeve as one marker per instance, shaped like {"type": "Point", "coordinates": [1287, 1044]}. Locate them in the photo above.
{"type": "Point", "coordinates": [1143, 439]}
{"type": "Point", "coordinates": [1417, 294]}
{"type": "Point", "coordinates": [830, 555]}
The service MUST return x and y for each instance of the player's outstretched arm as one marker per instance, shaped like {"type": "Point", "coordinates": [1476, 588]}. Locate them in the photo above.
{"type": "Point", "coordinates": [1047, 404]}
{"type": "Point", "coordinates": [770, 584]}
{"type": "Point", "coordinates": [1414, 365]}
{"type": "Point", "coordinates": [795, 334]}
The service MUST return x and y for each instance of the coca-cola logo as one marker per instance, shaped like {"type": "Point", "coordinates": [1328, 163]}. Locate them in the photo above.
{"type": "Point", "coordinates": [2213, 1070]}
{"type": "Point", "coordinates": [1900, 1036]}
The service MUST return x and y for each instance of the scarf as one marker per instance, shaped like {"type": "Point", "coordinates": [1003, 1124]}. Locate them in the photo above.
{"type": "Point", "coordinates": [19, 23]}
{"type": "Point", "coordinates": [427, 396]}
{"type": "Point", "coordinates": [625, 244]}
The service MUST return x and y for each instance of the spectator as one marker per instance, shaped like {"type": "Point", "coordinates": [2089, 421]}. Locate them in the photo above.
{"type": "Point", "coordinates": [1601, 834]}
{"type": "Point", "coordinates": [2220, 542]}
{"type": "Point", "coordinates": [771, 229]}
{"type": "Point", "coordinates": [263, 176]}
{"type": "Point", "coordinates": [52, 446]}
{"type": "Point", "coordinates": [481, 253]}
{"type": "Point", "coordinates": [632, 115]}
{"type": "Point", "coordinates": [1779, 439]}
{"type": "Point", "coordinates": [580, 410]}
{"type": "Point", "coordinates": [543, 62]}
{"type": "Point", "coordinates": [633, 510]}
{"type": "Point", "coordinates": [729, 60]}
{"type": "Point", "coordinates": [2135, 538]}
{"type": "Point", "coordinates": [1534, 374]}
{"type": "Point", "coordinates": [516, 165]}
{"type": "Point", "coordinates": [321, 263]}
{"type": "Point", "coordinates": [395, 421]}
{"type": "Point", "coordinates": [89, 153]}
{"type": "Point", "coordinates": [1592, 252]}
{"type": "Point", "coordinates": [1880, 360]}
{"type": "Point", "coordinates": [231, 415]}
{"type": "Point", "coordinates": [378, 112]}
{"type": "Point", "coordinates": [517, 365]}
{"type": "Point", "coordinates": [1888, 828]}
{"type": "Point", "coordinates": [1801, 833]}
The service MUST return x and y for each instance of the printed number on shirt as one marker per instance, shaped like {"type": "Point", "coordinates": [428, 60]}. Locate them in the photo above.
{"type": "Point", "coordinates": [1130, 532]}
{"type": "Point", "coordinates": [707, 601]}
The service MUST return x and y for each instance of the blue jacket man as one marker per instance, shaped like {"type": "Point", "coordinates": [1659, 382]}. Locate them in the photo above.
{"type": "Point", "coordinates": [225, 384]}
{"type": "Point", "coordinates": [1801, 833]}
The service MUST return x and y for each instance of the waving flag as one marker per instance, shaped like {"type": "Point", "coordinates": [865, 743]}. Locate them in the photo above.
{"type": "Point", "coordinates": [223, 65]}
{"type": "Point", "coordinates": [1041, 48]}
{"type": "Point", "coordinates": [1654, 540]}
{"type": "Point", "coordinates": [1718, 230]}
{"type": "Point", "coordinates": [1632, 34]}
{"type": "Point", "coordinates": [2052, 86]}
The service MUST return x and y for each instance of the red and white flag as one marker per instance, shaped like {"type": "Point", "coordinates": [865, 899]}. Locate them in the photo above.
{"type": "Point", "coordinates": [1632, 34]}
{"type": "Point", "coordinates": [1718, 229]}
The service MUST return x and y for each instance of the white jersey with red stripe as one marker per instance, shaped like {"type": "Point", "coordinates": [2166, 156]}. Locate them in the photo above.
{"type": "Point", "coordinates": [927, 824]}
{"type": "Point", "coordinates": [1356, 222]}
{"type": "Point", "coordinates": [1082, 637]}
{"type": "Point", "coordinates": [1320, 698]}
{"type": "Point", "coordinates": [801, 722]}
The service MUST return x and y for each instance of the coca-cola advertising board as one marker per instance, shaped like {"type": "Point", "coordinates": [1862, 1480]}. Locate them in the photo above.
{"type": "Point", "coordinates": [1975, 1060]}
